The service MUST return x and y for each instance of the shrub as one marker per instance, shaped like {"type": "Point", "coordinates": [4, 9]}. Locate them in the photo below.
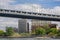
{"type": "Point", "coordinates": [40, 31]}
{"type": "Point", "coordinates": [9, 31]}
{"type": "Point", "coordinates": [53, 32]}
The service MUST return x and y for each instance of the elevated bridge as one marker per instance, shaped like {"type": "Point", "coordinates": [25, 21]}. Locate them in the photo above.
{"type": "Point", "coordinates": [28, 15]}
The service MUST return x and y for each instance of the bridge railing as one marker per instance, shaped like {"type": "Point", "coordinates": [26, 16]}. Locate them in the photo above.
{"type": "Point", "coordinates": [28, 13]}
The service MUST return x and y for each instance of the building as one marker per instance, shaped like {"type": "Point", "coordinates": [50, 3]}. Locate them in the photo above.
{"type": "Point", "coordinates": [30, 25]}
{"type": "Point", "coordinates": [53, 25]}
{"type": "Point", "coordinates": [24, 26]}
{"type": "Point", "coordinates": [39, 23]}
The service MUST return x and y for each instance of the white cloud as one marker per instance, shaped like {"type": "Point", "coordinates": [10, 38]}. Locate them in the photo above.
{"type": "Point", "coordinates": [6, 4]}
{"type": "Point", "coordinates": [56, 10]}
{"type": "Point", "coordinates": [37, 8]}
{"type": "Point", "coordinates": [25, 7]}
{"type": "Point", "coordinates": [28, 7]}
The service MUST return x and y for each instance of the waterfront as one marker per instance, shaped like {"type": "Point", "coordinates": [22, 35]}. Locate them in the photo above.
{"type": "Point", "coordinates": [28, 39]}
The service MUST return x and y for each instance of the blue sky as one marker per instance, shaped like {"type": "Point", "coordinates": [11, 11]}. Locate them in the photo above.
{"type": "Point", "coordinates": [44, 3]}
{"type": "Point", "coordinates": [42, 6]}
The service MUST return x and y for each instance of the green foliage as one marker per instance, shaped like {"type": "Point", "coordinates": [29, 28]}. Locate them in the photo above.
{"type": "Point", "coordinates": [48, 31]}
{"type": "Point", "coordinates": [1, 33]}
{"type": "Point", "coordinates": [9, 31]}
{"type": "Point", "coordinates": [53, 32]}
{"type": "Point", "coordinates": [40, 31]}
{"type": "Point", "coordinates": [46, 27]}
{"type": "Point", "coordinates": [6, 34]}
{"type": "Point", "coordinates": [58, 34]}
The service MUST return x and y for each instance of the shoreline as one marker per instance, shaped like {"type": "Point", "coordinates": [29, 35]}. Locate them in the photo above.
{"type": "Point", "coordinates": [30, 37]}
{"type": "Point", "coordinates": [23, 37]}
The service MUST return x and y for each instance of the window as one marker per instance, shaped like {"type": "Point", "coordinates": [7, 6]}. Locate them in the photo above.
{"type": "Point", "coordinates": [39, 14]}
{"type": "Point", "coordinates": [1, 10]}
{"type": "Point", "coordinates": [44, 14]}
{"type": "Point", "coordinates": [18, 11]}
{"type": "Point", "coordinates": [54, 15]}
{"type": "Point", "coordinates": [29, 13]}
{"type": "Point", "coordinates": [35, 13]}
{"type": "Point", "coordinates": [49, 15]}
{"type": "Point", "coordinates": [58, 16]}
{"type": "Point", "coordinates": [12, 10]}
{"type": "Point", "coordinates": [23, 12]}
{"type": "Point", "coordinates": [6, 10]}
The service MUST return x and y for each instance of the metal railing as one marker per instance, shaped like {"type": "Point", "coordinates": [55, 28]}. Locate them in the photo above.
{"type": "Point", "coordinates": [28, 13]}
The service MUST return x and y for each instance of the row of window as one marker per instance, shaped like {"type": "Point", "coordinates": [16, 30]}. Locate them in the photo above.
{"type": "Point", "coordinates": [30, 13]}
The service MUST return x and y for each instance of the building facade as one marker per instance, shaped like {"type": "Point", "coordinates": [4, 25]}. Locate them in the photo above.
{"type": "Point", "coordinates": [27, 26]}
{"type": "Point", "coordinates": [39, 23]}
{"type": "Point", "coordinates": [23, 26]}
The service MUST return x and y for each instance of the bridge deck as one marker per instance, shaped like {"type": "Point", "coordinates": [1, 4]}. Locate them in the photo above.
{"type": "Point", "coordinates": [29, 15]}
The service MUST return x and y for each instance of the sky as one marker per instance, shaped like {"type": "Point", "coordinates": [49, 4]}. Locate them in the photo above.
{"type": "Point", "coordinates": [40, 6]}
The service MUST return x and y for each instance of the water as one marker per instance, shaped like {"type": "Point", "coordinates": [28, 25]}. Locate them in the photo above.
{"type": "Point", "coordinates": [28, 39]}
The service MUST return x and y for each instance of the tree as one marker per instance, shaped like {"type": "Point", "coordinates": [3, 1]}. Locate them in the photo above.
{"type": "Point", "coordinates": [1, 33]}
{"type": "Point", "coordinates": [9, 31]}
{"type": "Point", "coordinates": [40, 31]}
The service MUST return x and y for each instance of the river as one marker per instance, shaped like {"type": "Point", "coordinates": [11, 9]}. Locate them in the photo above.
{"type": "Point", "coordinates": [28, 39]}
